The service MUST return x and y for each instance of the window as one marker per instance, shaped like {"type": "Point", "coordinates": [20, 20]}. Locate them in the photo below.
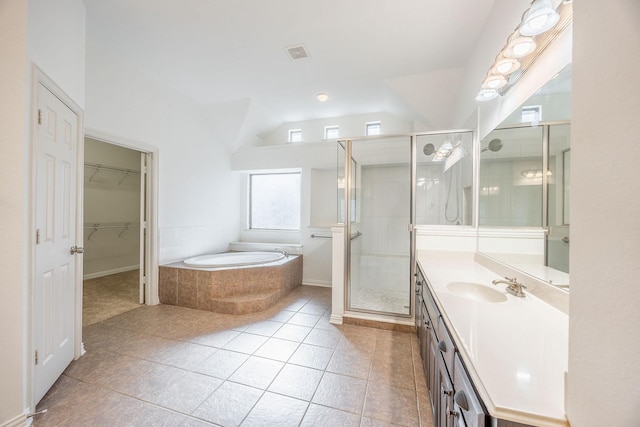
{"type": "Point", "coordinates": [372, 128]}
{"type": "Point", "coordinates": [295, 135]}
{"type": "Point", "coordinates": [331, 132]}
{"type": "Point", "coordinates": [531, 114]}
{"type": "Point", "coordinates": [274, 201]}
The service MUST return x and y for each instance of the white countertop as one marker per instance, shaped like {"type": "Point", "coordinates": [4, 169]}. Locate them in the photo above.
{"type": "Point", "coordinates": [516, 351]}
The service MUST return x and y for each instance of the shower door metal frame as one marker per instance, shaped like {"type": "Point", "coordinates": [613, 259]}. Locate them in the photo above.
{"type": "Point", "coordinates": [346, 145]}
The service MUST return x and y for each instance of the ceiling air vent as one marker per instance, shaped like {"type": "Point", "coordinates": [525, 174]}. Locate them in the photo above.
{"type": "Point", "coordinates": [297, 52]}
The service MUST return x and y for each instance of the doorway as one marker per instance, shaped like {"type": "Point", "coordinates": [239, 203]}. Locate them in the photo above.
{"type": "Point", "coordinates": [114, 237]}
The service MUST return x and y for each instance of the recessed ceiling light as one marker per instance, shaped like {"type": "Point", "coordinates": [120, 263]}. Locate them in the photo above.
{"type": "Point", "coordinates": [322, 97]}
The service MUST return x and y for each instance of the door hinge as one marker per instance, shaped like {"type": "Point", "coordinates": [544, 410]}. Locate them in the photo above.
{"type": "Point", "coordinates": [38, 236]}
{"type": "Point", "coordinates": [39, 116]}
{"type": "Point", "coordinates": [36, 357]}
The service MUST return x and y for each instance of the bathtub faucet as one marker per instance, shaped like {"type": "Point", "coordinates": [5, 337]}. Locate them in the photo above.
{"type": "Point", "coordinates": [282, 251]}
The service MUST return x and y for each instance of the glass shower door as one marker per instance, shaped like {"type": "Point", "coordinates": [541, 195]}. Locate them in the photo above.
{"type": "Point", "coordinates": [379, 250]}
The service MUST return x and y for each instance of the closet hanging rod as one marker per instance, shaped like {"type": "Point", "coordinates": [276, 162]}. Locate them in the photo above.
{"type": "Point", "coordinates": [100, 226]}
{"type": "Point", "coordinates": [98, 166]}
{"type": "Point", "coordinates": [95, 226]}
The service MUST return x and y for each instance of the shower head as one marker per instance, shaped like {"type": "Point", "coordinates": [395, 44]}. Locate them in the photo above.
{"type": "Point", "coordinates": [429, 149]}
{"type": "Point", "coordinates": [494, 145]}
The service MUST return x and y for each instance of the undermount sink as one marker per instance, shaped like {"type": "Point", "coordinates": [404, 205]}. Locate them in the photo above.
{"type": "Point", "coordinates": [476, 292]}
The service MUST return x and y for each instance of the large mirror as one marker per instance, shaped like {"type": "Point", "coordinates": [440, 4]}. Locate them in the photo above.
{"type": "Point", "coordinates": [524, 186]}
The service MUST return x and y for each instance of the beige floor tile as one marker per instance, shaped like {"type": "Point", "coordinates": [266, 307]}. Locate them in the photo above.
{"type": "Point", "coordinates": [222, 364]}
{"type": "Point", "coordinates": [292, 332]}
{"type": "Point", "coordinates": [217, 339]}
{"type": "Point", "coordinates": [174, 366]}
{"type": "Point", "coordinates": [323, 338]}
{"type": "Point", "coordinates": [187, 393]}
{"type": "Point", "coordinates": [391, 404]}
{"type": "Point", "coordinates": [257, 372]}
{"type": "Point", "coordinates": [391, 372]}
{"type": "Point", "coordinates": [246, 343]}
{"type": "Point", "coordinates": [323, 416]}
{"type": "Point", "coordinates": [276, 410]}
{"type": "Point", "coordinates": [304, 319]}
{"type": "Point", "coordinates": [341, 392]}
{"type": "Point", "coordinates": [184, 355]}
{"type": "Point", "coordinates": [296, 381]}
{"type": "Point", "coordinates": [311, 308]}
{"type": "Point", "coordinates": [277, 349]}
{"type": "Point", "coordinates": [311, 356]}
{"type": "Point", "coordinates": [350, 363]}
{"type": "Point", "coordinates": [229, 404]}
{"type": "Point", "coordinates": [266, 328]}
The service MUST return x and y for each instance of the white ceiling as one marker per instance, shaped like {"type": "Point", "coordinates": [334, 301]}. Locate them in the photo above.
{"type": "Point", "coordinates": [363, 52]}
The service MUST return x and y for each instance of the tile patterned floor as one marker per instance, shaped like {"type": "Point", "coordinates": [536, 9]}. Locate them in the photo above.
{"type": "Point", "coordinates": [287, 366]}
{"type": "Point", "coordinates": [107, 296]}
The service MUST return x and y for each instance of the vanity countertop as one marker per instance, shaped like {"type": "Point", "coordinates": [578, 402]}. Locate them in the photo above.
{"type": "Point", "coordinates": [516, 351]}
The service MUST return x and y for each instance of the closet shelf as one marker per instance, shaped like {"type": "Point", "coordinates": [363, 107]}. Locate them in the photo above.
{"type": "Point", "coordinates": [95, 226]}
{"type": "Point", "coordinates": [98, 167]}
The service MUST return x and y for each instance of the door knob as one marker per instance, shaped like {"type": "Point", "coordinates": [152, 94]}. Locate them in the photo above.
{"type": "Point", "coordinates": [76, 250]}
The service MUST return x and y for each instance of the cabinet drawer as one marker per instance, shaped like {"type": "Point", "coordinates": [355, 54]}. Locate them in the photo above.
{"type": "Point", "coordinates": [465, 400]}
{"type": "Point", "coordinates": [432, 309]}
{"type": "Point", "coordinates": [446, 346]}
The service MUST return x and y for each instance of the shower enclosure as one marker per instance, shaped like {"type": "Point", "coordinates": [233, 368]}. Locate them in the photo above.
{"type": "Point", "coordinates": [382, 183]}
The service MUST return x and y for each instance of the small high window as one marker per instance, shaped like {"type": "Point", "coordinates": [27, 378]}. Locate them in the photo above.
{"type": "Point", "coordinates": [373, 128]}
{"type": "Point", "coordinates": [331, 132]}
{"type": "Point", "coordinates": [531, 114]}
{"type": "Point", "coordinates": [295, 135]}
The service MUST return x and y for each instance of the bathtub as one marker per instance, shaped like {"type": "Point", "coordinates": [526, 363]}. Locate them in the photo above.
{"type": "Point", "coordinates": [231, 282]}
{"type": "Point", "coordinates": [233, 259]}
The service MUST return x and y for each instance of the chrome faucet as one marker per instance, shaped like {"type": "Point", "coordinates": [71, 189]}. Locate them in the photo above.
{"type": "Point", "coordinates": [513, 286]}
{"type": "Point", "coordinates": [282, 251]}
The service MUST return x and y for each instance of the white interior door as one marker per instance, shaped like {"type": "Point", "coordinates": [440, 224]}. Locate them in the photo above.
{"type": "Point", "coordinates": [56, 150]}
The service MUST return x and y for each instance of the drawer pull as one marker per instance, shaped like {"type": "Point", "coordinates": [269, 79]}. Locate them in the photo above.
{"type": "Point", "coordinates": [451, 413]}
{"type": "Point", "coordinates": [461, 400]}
{"type": "Point", "coordinates": [447, 392]}
{"type": "Point", "coordinates": [442, 346]}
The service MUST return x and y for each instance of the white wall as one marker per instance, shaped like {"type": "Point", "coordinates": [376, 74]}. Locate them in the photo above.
{"type": "Point", "coordinates": [13, 205]}
{"type": "Point", "coordinates": [604, 339]}
{"type": "Point", "coordinates": [111, 198]}
{"type": "Point", "coordinates": [51, 36]}
{"type": "Point", "coordinates": [198, 200]}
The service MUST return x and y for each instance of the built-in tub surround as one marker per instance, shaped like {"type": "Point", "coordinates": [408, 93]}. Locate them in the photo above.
{"type": "Point", "coordinates": [515, 349]}
{"type": "Point", "coordinates": [229, 290]}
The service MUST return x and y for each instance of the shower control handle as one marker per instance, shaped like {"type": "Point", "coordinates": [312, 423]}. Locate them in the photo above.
{"type": "Point", "coordinates": [76, 250]}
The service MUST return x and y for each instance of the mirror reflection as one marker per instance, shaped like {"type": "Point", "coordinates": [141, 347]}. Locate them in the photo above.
{"type": "Point", "coordinates": [524, 198]}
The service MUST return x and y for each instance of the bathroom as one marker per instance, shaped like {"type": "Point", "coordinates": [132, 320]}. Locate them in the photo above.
{"type": "Point", "coordinates": [143, 114]}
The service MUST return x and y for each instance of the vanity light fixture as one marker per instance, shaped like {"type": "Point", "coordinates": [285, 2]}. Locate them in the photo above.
{"type": "Point", "coordinates": [534, 173]}
{"type": "Point", "coordinates": [519, 46]}
{"type": "Point", "coordinates": [514, 56]}
{"type": "Point", "coordinates": [505, 66]}
{"type": "Point", "coordinates": [494, 81]}
{"type": "Point", "coordinates": [486, 95]}
{"type": "Point", "coordinates": [540, 17]}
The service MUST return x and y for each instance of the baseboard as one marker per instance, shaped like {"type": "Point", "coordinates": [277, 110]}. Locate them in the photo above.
{"type": "Point", "coordinates": [109, 272]}
{"type": "Point", "coordinates": [19, 421]}
{"type": "Point", "coordinates": [335, 319]}
{"type": "Point", "coordinates": [319, 283]}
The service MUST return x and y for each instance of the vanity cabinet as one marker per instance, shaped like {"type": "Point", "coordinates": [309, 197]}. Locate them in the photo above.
{"type": "Point", "coordinates": [453, 400]}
